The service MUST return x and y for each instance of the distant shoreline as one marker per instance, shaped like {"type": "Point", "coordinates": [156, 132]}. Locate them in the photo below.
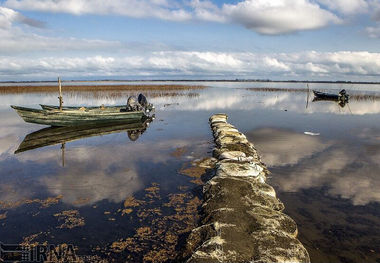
{"type": "Point", "coordinates": [199, 80]}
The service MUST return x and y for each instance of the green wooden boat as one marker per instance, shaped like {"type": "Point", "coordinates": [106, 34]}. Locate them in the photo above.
{"type": "Point", "coordinates": [78, 116]}
{"type": "Point", "coordinates": [136, 109]}
{"type": "Point", "coordinates": [60, 135]}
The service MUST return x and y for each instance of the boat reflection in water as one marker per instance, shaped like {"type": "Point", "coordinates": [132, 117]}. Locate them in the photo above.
{"type": "Point", "coordinates": [341, 103]}
{"type": "Point", "coordinates": [61, 135]}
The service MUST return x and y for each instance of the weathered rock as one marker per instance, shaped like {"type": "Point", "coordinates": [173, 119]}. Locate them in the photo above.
{"type": "Point", "coordinates": [276, 246]}
{"type": "Point", "coordinates": [266, 218]}
{"type": "Point", "coordinates": [241, 147]}
{"type": "Point", "coordinates": [219, 131]}
{"type": "Point", "coordinates": [196, 237]}
{"type": "Point", "coordinates": [234, 155]}
{"type": "Point", "coordinates": [234, 245]}
{"type": "Point", "coordinates": [238, 194]}
{"type": "Point", "coordinates": [218, 119]}
{"type": "Point", "coordinates": [236, 168]}
{"type": "Point", "coordinates": [229, 140]}
{"type": "Point", "coordinates": [254, 220]}
{"type": "Point", "coordinates": [224, 133]}
{"type": "Point", "coordinates": [218, 115]}
{"type": "Point", "coordinates": [218, 126]}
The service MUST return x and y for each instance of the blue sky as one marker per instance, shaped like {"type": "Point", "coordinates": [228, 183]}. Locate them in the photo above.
{"type": "Point", "coordinates": [191, 39]}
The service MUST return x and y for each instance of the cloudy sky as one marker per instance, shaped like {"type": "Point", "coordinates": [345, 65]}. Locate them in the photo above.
{"type": "Point", "coordinates": [191, 39]}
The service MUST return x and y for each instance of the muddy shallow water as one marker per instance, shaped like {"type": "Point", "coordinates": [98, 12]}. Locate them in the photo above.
{"type": "Point", "coordinates": [114, 198]}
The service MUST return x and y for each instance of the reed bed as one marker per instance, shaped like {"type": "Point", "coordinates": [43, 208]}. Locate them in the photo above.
{"type": "Point", "coordinates": [276, 89]}
{"type": "Point", "coordinates": [126, 94]}
{"type": "Point", "coordinates": [95, 88]}
{"type": "Point", "coordinates": [364, 97]}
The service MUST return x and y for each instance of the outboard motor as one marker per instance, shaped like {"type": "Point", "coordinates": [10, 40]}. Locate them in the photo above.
{"type": "Point", "coordinates": [142, 100]}
{"type": "Point", "coordinates": [139, 104]}
{"type": "Point", "coordinates": [132, 104]}
{"type": "Point", "coordinates": [343, 95]}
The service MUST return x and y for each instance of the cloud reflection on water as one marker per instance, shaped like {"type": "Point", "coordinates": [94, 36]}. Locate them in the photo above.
{"type": "Point", "coordinates": [233, 99]}
{"type": "Point", "coordinates": [346, 169]}
{"type": "Point", "coordinates": [92, 173]}
{"type": "Point", "coordinates": [281, 147]}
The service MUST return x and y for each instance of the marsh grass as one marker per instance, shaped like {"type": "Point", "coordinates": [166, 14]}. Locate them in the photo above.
{"type": "Point", "coordinates": [264, 89]}
{"type": "Point", "coordinates": [96, 88]}
{"type": "Point", "coordinates": [125, 94]}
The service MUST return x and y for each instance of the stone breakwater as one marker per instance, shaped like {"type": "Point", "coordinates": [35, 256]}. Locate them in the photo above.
{"type": "Point", "coordinates": [242, 219]}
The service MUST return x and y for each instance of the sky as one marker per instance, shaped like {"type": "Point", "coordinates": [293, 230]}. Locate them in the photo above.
{"type": "Point", "coordinates": [190, 39]}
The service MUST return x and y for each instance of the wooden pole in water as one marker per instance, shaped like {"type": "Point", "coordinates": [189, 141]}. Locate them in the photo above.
{"type": "Point", "coordinates": [307, 98]}
{"type": "Point", "coordinates": [63, 154]}
{"type": "Point", "coordinates": [60, 94]}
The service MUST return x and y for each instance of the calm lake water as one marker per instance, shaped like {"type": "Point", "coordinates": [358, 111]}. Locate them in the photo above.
{"type": "Point", "coordinates": [132, 200]}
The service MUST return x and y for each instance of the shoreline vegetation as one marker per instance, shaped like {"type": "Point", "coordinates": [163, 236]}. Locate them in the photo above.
{"type": "Point", "coordinates": [153, 90]}
{"type": "Point", "coordinates": [200, 80]}
{"type": "Point", "coordinates": [95, 88]}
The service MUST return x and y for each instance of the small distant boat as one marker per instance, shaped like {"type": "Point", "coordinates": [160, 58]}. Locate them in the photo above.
{"type": "Point", "coordinates": [341, 97]}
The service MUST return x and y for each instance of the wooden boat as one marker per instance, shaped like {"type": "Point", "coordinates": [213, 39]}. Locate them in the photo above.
{"type": "Point", "coordinates": [81, 116]}
{"type": "Point", "coordinates": [60, 135]}
{"type": "Point", "coordinates": [136, 109]}
{"type": "Point", "coordinates": [342, 96]}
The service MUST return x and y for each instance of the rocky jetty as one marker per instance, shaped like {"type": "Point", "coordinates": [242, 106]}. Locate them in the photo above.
{"type": "Point", "coordinates": [242, 219]}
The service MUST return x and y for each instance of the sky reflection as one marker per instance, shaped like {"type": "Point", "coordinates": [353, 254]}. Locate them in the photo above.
{"type": "Point", "coordinates": [321, 179]}
{"type": "Point", "coordinates": [348, 169]}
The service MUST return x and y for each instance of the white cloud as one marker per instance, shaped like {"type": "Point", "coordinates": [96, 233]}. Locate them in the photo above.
{"type": "Point", "coordinates": [346, 6]}
{"type": "Point", "coordinates": [131, 8]}
{"type": "Point", "coordinates": [9, 16]}
{"type": "Point", "coordinates": [325, 65]}
{"type": "Point", "coordinates": [373, 32]}
{"type": "Point", "coordinates": [262, 16]}
{"type": "Point", "coordinates": [16, 41]}
{"type": "Point", "coordinates": [206, 10]}
{"type": "Point", "coordinates": [279, 16]}
{"type": "Point", "coordinates": [376, 13]}
{"type": "Point", "coordinates": [275, 17]}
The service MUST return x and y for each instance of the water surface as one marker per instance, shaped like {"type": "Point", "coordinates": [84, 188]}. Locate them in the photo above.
{"type": "Point", "coordinates": [130, 200]}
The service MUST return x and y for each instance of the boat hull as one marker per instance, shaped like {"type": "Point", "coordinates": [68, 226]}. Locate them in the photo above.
{"type": "Point", "coordinates": [75, 117]}
{"type": "Point", "coordinates": [325, 96]}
